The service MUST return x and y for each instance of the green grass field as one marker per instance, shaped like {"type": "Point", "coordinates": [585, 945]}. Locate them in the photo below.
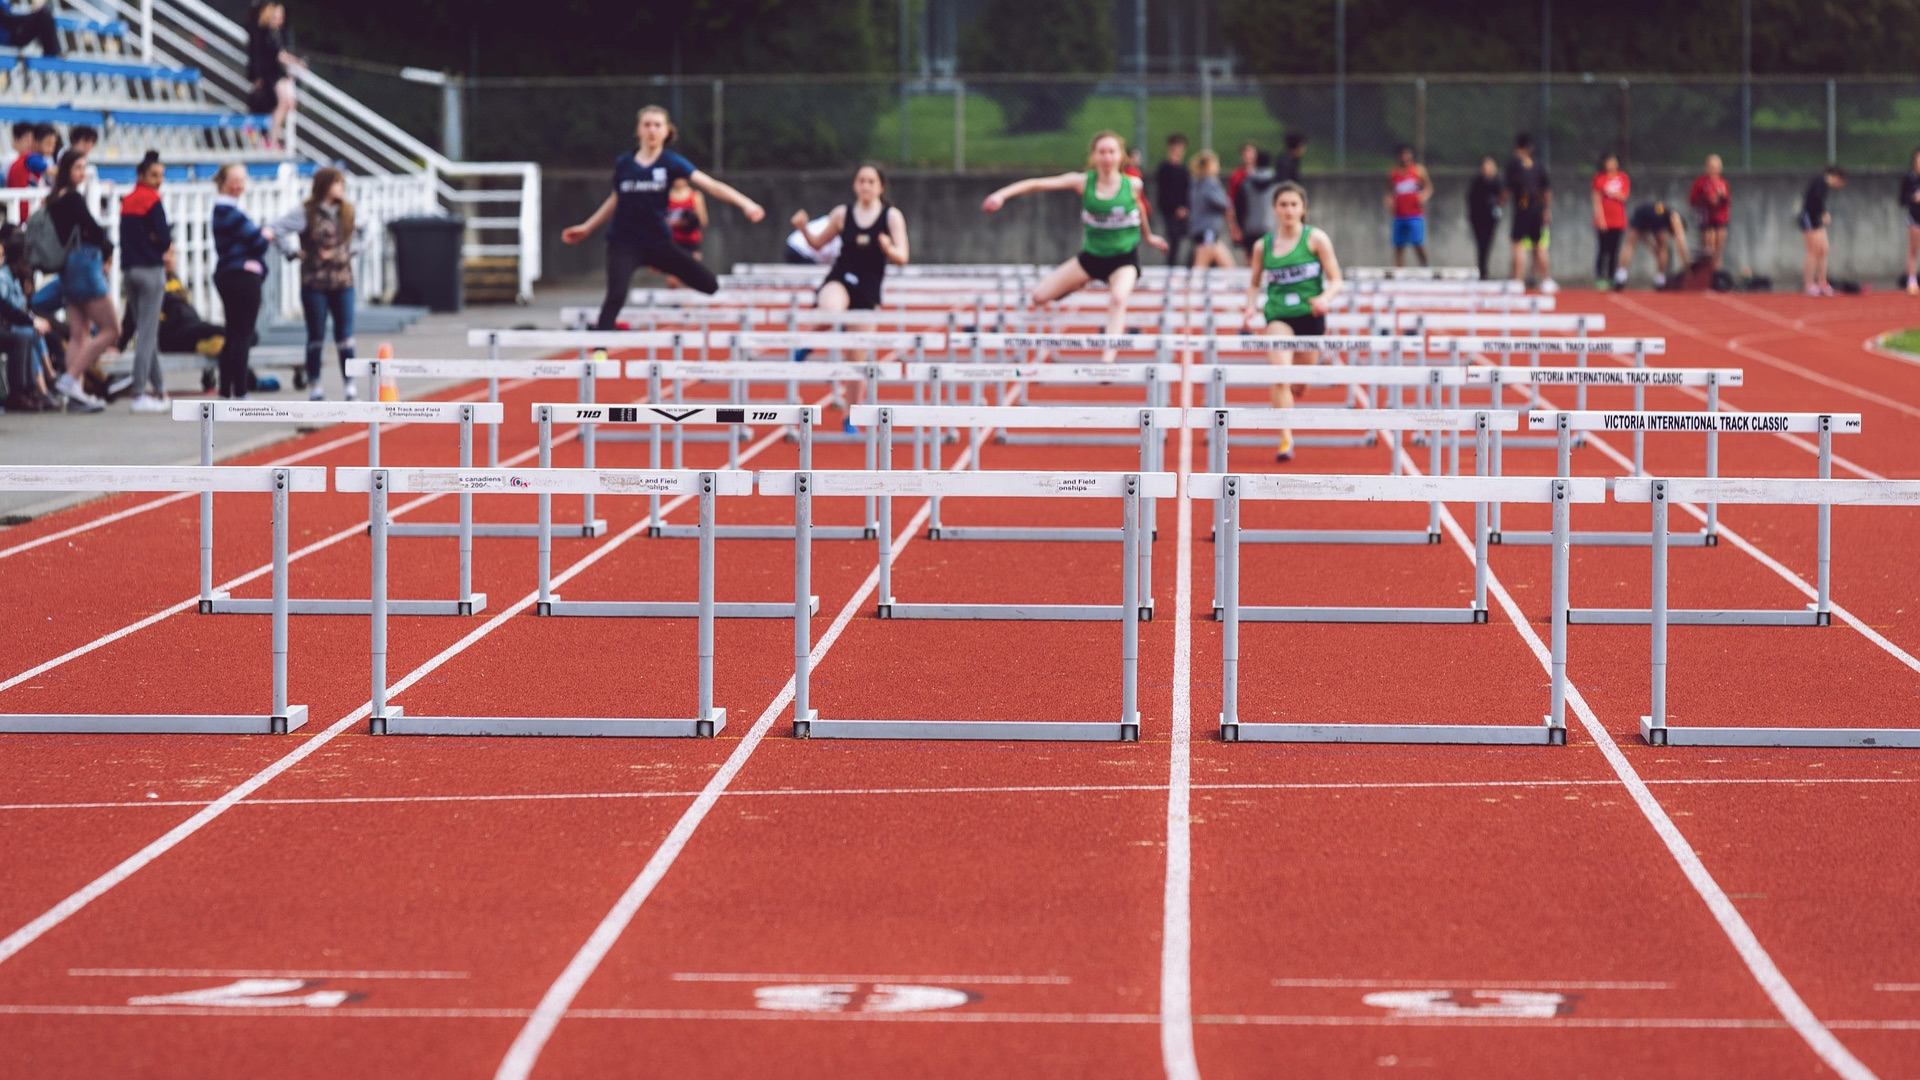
{"type": "Point", "coordinates": [1906, 341]}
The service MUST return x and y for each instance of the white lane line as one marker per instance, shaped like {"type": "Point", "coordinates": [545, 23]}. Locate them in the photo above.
{"type": "Point", "coordinates": [248, 973]}
{"type": "Point", "coordinates": [1764, 971]}
{"type": "Point", "coordinates": [533, 1036]}
{"type": "Point", "coordinates": [172, 838]}
{"type": "Point", "coordinates": [1897, 987]}
{"type": "Point", "coordinates": [1474, 984]}
{"type": "Point", "coordinates": [1177, 1053]}
{"type": "Point", "coordinates": [310, 452]}
{"type": "Point", "coordinates": [984, 980]}
{"type": "Point", "coordinates": [1012, 789]}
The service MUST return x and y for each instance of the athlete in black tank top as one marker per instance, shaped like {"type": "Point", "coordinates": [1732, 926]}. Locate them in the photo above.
{"type": "Point", "coordinates": [862, 265]}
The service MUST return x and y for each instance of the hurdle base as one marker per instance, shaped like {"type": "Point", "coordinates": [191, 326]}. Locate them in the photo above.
{"type": "Point", "coordinates": [1019, 532]}
{"type": "Point", "coordinates": [1662, 735]}
{"type": "Point", "coordinates": [666, 609]}
{"type": "Point", "coordinates": [1021, 438]}
{"type": "Point", "coordinates": [761, 532]}
{"type": "Point", "coordinates": [969, 730]}
{"type": "Point", "coordinates": [1268, 441]}
{"type": "Point", "coordinates": [1603, 539]}
{"type": "Point", "coordinates": [627, 435]}
{"type": "Point", "coordinates": [397, 723]}
{"type": "Point", "coordinates": [1009, 612]}
{"type": "Point", "coordinates": [1446, 616]}
{"type": "Point", "coordinates": [293, 719]}
{"type": "Point", "coordinates": [223, 604]}
{"type": "Point", "coordinates": [1700, 617]}
{"type": "Point", "coordinates": [1459, 734]}
{"type": "Point", "coordinates": [1338, 536]}
{"type": "Point", "coordinates": [496, 530]}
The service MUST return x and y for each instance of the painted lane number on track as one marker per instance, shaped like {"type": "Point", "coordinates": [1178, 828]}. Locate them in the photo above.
{"type": "Point", "coordinates": [859, 997]}
{"type": "Point", "coordinates": [251, 994]}
{"type": "Point", "coordinates": [1509, 1004]}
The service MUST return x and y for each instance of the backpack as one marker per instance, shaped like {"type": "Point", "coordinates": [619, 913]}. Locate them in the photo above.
{"type": "Point", "coordinates": [45, 252]}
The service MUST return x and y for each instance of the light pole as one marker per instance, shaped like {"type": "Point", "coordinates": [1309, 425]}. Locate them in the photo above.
{"type": "Point", "coordinates": [1546, 83]}
{"type": "Point", "coordinates": [1339, 84]}
{"type": "Point", "coordinates": [1140, 71]}
{"type": "Point", "coordinates": [1746, 85]}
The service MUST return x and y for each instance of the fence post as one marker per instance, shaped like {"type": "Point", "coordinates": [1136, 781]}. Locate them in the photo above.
{"type": "Point", "coordinates": [1833, 127]}
{"type": "Point", "coordinates": [1420, 119]}
{"type": "Point", "coordinates": [1626, 123]}
{"type": "Point", "coordinates": [1340, 84]}
{"type": "Point", "coordinates": [959, 126]}
{"type": "Point", "coordinates": [1206, 105]}
{"type": "Point", "coordinates": [719, 123]}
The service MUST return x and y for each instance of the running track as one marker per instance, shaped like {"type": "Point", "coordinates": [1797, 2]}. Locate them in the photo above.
{"type": "Point", "coordinates": [753, 905]}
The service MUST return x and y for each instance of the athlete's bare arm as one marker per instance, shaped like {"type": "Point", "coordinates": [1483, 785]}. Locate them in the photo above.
{"type": "Point", "coordinates": [836, 220]}
{"type": "Point", "coordinates": [725, 192]}
{"type": "Point", "coordinates": [1322, 247]}
{"type": "Point", "coordinates": [1072, 181]}
{"type": "Point", "coordinates": [893, 242]}
{"type": "Point", "coordinates": [573, 234]}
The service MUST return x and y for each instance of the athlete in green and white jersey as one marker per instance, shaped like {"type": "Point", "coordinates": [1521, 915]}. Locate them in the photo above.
{"type": "Point", "coordinates": [1299, 274]}
{"type": "Point", "coordinates": [1115, 221]}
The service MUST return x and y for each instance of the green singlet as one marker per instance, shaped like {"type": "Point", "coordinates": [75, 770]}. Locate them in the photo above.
{"type": "Point", "coordinates": [1112, 225]}
{"type": "Point", "coordinates": [1293, 279]}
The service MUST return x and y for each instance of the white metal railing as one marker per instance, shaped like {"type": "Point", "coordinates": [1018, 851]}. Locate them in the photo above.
{"type": "Point", "coordinates": [333, 127]}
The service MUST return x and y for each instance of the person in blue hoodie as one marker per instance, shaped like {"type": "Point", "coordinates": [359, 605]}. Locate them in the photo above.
{"type": "Point", "coordinates": [240, 251]}
{"type": "Point", "coordinates": [144, 239]}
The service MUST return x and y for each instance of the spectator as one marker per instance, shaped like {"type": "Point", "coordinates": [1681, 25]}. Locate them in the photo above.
{"type": "Point", "coordinates": [182, 330]}
{"type": "Point", "coordinates": [1659, 227]}
{"type": "Point", "coordinates": [1171, 195]}
{"type": "Point", "coordinates": [270, 68]}
{"type": "Point", "coordinates": [21, 338]}
{"type": "Point", "coordinates": [30, 161]}
{"type": "Point", "coordinates": [18, 28]}
{"type": "Point", "coordinates": [83, 137]}
{"type": "Point", "coordinates": [1532, 193]}
{"type": "Point", "coordinates": [802, 253]}
{"type": "Point", "coordinates": [1910, 205]}
{"type": "Point", "coordinates": [1711, 202]}
{"type": "Point", "coordinates": [145, 239]}
{"type": "Point", "coordinates": [1485, 202]}
{"type": "Point", "coordinates": [1287, 169]}
{"type": "Point", "coordinates": [1257, 192]}
{"type": "Point", "coordinates": [240, 248]}
{"type": "Point", "coordinates": [1814, 220]}
{"type": "Point", "coordinates": [1408, 189]}
{"type": "Point", "coordinates": [324, 236]}
{"type": "Point", "coordinates": [1236, 206]}
{"type": "Point", "coordinates": [1611, 189]}
{"type": "Point", "coordinates": [1209, 220]}
{"type": "Point", "coordinates": [687, 220]}
{"type": "Point", "coordinates": [93, 326]}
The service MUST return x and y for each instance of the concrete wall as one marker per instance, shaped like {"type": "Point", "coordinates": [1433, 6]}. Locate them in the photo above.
{"type": "Point", "coordinates": [943, 216]}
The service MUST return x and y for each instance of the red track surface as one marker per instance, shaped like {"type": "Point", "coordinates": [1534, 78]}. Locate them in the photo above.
{"type": "Point", "coordinates": [446, 884]}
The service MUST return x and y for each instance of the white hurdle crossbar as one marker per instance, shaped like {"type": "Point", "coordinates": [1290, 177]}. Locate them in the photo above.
{"type": "Point", "coordinates": [586, 373]}
{"type": "Point", "coordinates": [280, 482]}
{"type": "Point", "coordinates": [1130, 488]}
{"type": "Point", "coordinates": [373, 414]}
{"type": "Point", "coordinates": [1824, 493]}
{"type": "Point", "coordinates": [1233, 489]}
{"type": "Point", "coordinates": [387, 719]}
{"type": "Point", "coordinates": [1824, 425]}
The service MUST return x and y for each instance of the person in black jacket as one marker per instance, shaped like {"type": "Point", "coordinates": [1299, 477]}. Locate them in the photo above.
{"type": "Point", "coordinates": [1486, 197]}
{"type": "Point", "coordinates": [240, 250]}
{"type": "Point", "coordinates": [93, 326]}
{"type": "Point", "coordinates": [17, 28]}
{"type": "Point", "coordinates": [270, 68]}
{"type": "Point", "coordinates": [1171, 192]}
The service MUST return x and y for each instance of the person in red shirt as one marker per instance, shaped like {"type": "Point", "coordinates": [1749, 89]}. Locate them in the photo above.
{"type": "Point", "coordinates": [1711, 202]}
{"type": "Point", "coordinates": [41, 146]}
{"type": "Point", "coordinates": [1249, 158]}
{"type": "Point", "coordinates": [1611, 188]}
{"type": "Point", "coordinates": [1408, 189]}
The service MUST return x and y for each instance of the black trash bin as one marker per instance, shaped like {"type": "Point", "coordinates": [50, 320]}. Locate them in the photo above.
{"type": "Point", "coordinates": [426, 262]}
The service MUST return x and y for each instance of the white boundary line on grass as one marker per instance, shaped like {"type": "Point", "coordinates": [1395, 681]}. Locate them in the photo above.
{"type": "Point", "coordinates": [13, 943]}
{"type": "Point", "coordinates": [532, 1038]}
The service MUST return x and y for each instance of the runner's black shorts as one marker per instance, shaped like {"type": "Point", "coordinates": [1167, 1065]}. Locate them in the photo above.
{"type": "Point", "coordinates": [1101, 267]}
{"type": "Point", "coordinates": [861, 295]}
{"type": "Point", "coordinates": [1305, 325]}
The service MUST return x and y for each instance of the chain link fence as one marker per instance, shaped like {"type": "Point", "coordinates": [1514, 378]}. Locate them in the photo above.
{"type": "Point", "coordinates": [1043, 123]}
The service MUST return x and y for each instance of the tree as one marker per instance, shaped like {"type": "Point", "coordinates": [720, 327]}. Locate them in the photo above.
{"type": "Point", "coordinates": [1053, 37]}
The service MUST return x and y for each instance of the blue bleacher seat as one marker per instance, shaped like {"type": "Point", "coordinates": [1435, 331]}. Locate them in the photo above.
{"type": "Point", "coordinates": [207, 120]}
{"type": "Point", "coordinates": [179, 174]}
{"type": "Point", "coordinates": [73, 24]}
{"type": "Point", "coordinates": [50, 114]}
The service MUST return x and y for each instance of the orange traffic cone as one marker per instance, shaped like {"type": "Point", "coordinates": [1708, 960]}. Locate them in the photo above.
{"type": "Point", "coordinates": [389, 387]}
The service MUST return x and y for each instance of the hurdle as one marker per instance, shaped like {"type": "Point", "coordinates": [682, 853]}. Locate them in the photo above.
{"type": "Point", "coordinates": [278, 481]}
{"type": "Point", "coordinates": [707, 485]}
{"type": "Point", "coordinates": [1483, 424]}
{"type": "Point", "coordinates": [1130, 488]}
{"type": "Point", "coordinates": [586, 372]}
{"type": "Point", "coordinates": [742, 374]}
{"type": "Point", "coordinates": [1502, 350]}
{"type": "Point", "coordinates": [1417, 273]}
{"type": "Point", "coordinates": [1824, 493]}
{"type": "Point", "coordinates": [372, 414]}
{"type": "Point", "coordinates": [1826, 425]}
{"type": "Point", "coordinates": [1233, 489]}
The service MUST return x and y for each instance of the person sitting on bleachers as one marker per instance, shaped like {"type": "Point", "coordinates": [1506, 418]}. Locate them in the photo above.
{"type": "Point", "coordinates": [33, 156]}
{"type": "Point", "coordinates": [35, 24]}
{"type": "Point", "coordinates": [22, 339]}
{"type": "Point", "coordinates": [270, 67]}
{"type": "Point", "coordinates": [83, 138]}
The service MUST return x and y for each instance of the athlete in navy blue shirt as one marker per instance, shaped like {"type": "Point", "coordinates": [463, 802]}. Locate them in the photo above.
{"type": "Point", "coordinates": [639, 235]}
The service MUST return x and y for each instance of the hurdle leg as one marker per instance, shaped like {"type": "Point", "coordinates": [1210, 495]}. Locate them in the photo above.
{"type": "Point", "coordinates": [873, 444]}
{"type": "Point", "coordinates": [1222, 435]}
{"type": "Point", "coordinates": [544, 606]}
{"type": "Point", "coordinates": [1493, 512]}
{"type": "Point", "coordinates": [1482, 528]}
{"type": "Point", "coordinates": [1130, 532]}
{"type": "Point", "coordinates": [377, 718]}
{"type": "Point", "coordinates": [278, 722]}
{"type": "Point", "coordinates": [1148, 518]}
{"type": "Point", "coordinates": [934, 464]}
{"type": "Point", "coordinates": [1639, 437]}
{"type": "Point", "coordinates": [1433, 468]}
{"type": "Point", "coordinates": [1229, 592]}
{"type": "Point", "coordinates": [586, 501]}
{"type": "Point", "coordinates": [1713, 459]}
{"type": "Point", "coordinates": [206, 512]}
{"type": "Point", "coordinates": [707, 721]}
{"type": "Point", "coordinates": [493, 395]}
{"type": "Point", "coordinates": [1453, 437]}
{"type": "Point", "coordinates": [1653, 727]}
{"type": "Point", "coordinates": [466, 513]}
{"type": "Point", "coordinates": [1557, 700]}
{"type": "Point", "coordinates": [1823, 609]}
{"type": "Point", "coordinates": [884, 534]}
{"type": "Point", "coordinates": [803, 712]}
{"type": "Point", "coordinates": [653, 460]}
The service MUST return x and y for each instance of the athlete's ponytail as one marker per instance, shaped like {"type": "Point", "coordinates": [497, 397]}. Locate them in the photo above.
{"type": "Point", "coordinates": [672, 131]}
